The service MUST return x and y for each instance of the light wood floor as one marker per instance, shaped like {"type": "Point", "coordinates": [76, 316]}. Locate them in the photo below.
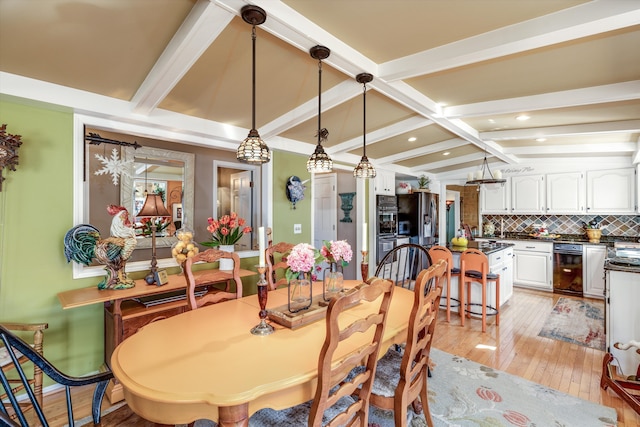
{"type": "Point", "coordinates": [514, 347]}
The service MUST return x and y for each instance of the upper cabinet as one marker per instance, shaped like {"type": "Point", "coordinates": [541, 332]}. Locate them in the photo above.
{"type": "Point", "coordinates": [528, 194]}
{"type": "Point", "coordinates": [385, 182]}
{"type": "Point", "coordinates": [611, 191]}
{"type": "Point", "coordinates": [602, 192]}
{"type": "Point", "coordinates": [494, 198]}
{"type": "Point", "coordinates": [566, 193]}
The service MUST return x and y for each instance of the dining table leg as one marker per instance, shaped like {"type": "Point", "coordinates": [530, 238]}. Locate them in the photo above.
{"type": "Point", "coordinates": [233, 416]}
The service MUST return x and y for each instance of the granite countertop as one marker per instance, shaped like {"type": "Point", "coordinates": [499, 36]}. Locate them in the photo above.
{"type": "Point", "coordinates": [486, 248]}
{"type": "Point", "coordinates": [564, 238]}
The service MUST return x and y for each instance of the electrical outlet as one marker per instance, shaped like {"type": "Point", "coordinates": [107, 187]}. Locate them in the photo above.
{"type": "Point", "coordinates": [297, 228]}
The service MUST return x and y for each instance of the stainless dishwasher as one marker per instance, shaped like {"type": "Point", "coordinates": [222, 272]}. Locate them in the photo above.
{"type": "Point", "coordinates": [567, 268]}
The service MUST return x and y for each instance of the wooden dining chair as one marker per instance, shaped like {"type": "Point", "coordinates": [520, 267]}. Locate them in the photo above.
{"type": "Point", "coordinates": [35, 377]}
{"type": "Point", "coordinates": [276, 260]}
{"type": "Point", "coordinates": [337, 402]}
{"type": "Point", "coordinates": [474, 268]}
{"type": "Point", "coordinates": [401, 377]}
{"type": "Point", "coordinates": [11, 407]}
{"type": "Point", "coordinates": [403, 263]}
{"type": "Point", "coordinates": [213, 295]}
{"type": "Point", "coordinates": [437, 253]}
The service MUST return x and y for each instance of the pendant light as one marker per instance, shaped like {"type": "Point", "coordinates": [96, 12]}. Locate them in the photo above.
{"type": "Point", "coordinates": [253, 149]}
{"type": "Point", "coordinates": [320, 162]}
{"type": "Point", "coordinates": [484, 175]}
{"type": "Point", "coordinates": [364, 169]}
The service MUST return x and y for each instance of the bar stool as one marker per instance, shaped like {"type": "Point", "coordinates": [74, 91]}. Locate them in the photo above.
{"type": "Point", "coordinates": [474, 266]}
{"type": "Point", "coordinates": [437, 253]}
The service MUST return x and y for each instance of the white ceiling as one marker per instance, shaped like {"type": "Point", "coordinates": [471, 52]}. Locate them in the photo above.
{"type": "Point", "coordinates": [454, 74]}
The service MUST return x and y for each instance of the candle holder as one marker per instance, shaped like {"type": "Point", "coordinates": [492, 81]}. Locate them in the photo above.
{"type": "Point", "coordinates": [262, 328]}
{"type": "Point", "coordinates": [364, 266]}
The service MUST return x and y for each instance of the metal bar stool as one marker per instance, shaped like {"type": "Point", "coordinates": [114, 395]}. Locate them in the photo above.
{"type": "Point", "coordinates": [437, 253]}
{"type": "Point", "coordinates": [474, 266]}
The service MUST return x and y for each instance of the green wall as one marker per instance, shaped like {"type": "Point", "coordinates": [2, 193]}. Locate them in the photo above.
{"type": "Point", "coordinates": [36, 210]}
{"type": "Point", "coordinates": [284, 216]}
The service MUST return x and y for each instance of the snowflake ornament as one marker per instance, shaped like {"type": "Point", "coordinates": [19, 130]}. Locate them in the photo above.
{"type": "Point", "coordinates": [114, 166]}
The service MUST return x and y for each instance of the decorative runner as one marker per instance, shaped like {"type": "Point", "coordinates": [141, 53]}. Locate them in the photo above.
{"type": "Point", "coordinates": [576, 321]}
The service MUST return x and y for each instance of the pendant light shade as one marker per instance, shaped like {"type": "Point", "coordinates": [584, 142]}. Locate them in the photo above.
{"type": "Point", "coordinates": [364, 169]}
{"type": "Point", "coordinates": [253, 149]}
{"type": "Point", "coordinates": [320, 162]}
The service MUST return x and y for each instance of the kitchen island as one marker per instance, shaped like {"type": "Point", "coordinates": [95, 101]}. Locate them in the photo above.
{"type": "Point", "coordinates": [500, 257]}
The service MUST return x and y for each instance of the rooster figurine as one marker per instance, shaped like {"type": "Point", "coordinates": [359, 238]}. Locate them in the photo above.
{"type": "Point", "coordinates": [83, 243]}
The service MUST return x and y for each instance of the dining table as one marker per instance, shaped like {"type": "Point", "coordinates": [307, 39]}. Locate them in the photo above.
{"type": "Point", "coordinates": [205, 363]}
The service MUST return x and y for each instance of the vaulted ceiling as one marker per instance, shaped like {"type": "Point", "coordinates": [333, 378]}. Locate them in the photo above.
{"type": "Point", "coordinates": [452, 74]}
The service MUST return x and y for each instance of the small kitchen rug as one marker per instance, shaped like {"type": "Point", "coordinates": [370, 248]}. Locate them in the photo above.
{"type": "Point", "coordinates": [576, 321]}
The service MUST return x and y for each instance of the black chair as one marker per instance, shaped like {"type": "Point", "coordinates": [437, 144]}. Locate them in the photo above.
{"type": "Point", "coordinates": [403, 264]}
{"type": "Point", "coordinates": [11, 413]}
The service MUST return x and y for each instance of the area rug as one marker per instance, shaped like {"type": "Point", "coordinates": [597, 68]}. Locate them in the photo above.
{"type": "Point", "coordinates": [576, 321]}
{"type": "Point", "coordinates": [465, 393]}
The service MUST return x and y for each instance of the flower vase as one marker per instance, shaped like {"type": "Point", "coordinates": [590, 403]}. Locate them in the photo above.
{"type": "Point", "coordinates": [226, 263]}
{"type": "Point", "coordinates": [333, 281]}
{"type": "Point", "coordinates": [299, 293]}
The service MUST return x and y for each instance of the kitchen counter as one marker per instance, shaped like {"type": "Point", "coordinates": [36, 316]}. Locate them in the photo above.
{"type": "Point", "coordinates": [564, 238]}
{"type": "Point", "coordinates": [486, 247]}
{"type": "Point", "coordinates": [609, 264]}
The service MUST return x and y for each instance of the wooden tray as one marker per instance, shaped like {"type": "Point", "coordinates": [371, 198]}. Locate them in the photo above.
{"type": "Point", "coordinates": [318, 309]}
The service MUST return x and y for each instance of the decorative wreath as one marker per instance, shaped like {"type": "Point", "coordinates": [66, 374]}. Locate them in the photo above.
{"type": "Point", "coordinates": [9, 145]}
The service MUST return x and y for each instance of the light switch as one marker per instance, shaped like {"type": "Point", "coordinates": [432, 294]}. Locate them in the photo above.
{"type": "Point", "coordinates": [297, 228]}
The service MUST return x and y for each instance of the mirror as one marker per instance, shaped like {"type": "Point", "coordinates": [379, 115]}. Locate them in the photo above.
{"type": "Point", "coordinates": [165, 172]}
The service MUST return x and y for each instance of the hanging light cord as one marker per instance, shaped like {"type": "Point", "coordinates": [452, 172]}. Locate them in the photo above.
{"type": "Point", "coordinates": [320, 133]}
{"type": "Point", "coordinates": [364, 120]}
{"type": "Point", "coordinates": [253, 78]}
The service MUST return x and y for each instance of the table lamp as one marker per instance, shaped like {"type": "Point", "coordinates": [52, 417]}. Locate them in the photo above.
{"type": "Point", "coordinates": [153, 207]}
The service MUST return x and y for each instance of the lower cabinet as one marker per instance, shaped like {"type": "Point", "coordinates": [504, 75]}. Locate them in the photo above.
{"type": "Point", "coordinates": [533, 265]}
{"type": "Point", "coordinates": [593, 270]}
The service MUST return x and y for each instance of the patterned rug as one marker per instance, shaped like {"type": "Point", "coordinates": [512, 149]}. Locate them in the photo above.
{"type": "Point", "coordinates": [465, 393]}
{"type": "Point", "coordinates": [576, 321]}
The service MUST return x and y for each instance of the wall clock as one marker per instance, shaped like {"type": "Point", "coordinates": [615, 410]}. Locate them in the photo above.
{"type": "Point", "coordinates": [9, 145]}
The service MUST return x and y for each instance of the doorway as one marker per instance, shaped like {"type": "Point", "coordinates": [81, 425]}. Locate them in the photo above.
{"type": "Point", "coordinates": [325, 202]}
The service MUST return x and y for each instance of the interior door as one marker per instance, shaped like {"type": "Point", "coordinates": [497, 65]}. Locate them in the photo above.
{"type": "Point", "coordinates": [241, 198]}
{"type": "Point", "coordinates": [325, 202]}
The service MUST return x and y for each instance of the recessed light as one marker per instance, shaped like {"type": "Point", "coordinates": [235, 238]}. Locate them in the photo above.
{"type": "Point", "coordinates": [522, 117]}
{"type": "Point", "coordinates": [541, 139]}
{"type": "Point", "coordinates": [491, 121]}
{"type": "Point", "coordinates": [413, 138]}
{"type": "Point", "coordinates": [446, 153]}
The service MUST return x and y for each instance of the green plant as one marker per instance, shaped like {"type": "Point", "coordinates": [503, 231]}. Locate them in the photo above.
{"type": "Point", "coordinates": [423, 181]}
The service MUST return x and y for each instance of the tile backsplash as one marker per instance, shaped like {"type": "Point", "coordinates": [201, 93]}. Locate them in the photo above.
{"type": "Point", "coordinates": [613, 225]}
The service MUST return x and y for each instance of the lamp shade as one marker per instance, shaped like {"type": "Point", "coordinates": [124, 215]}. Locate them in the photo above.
{"type": "Point", "coordinates": [153, 206]}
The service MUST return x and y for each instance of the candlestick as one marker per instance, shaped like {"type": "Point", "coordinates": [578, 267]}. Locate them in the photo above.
{"type": "Point", "coordinates": [364, 266]}
{"type": "Point", "coordinates": [262, 328]}
{"type": "Point", "coordinates": [364, 236]}
{"type": "Point", "coordinates": [261, 246]}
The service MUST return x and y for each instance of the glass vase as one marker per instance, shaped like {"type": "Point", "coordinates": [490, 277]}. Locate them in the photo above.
{"type": "Point", "coordinates": [333, 279]}
{"type": "Point", "coordinates": [299, 293]}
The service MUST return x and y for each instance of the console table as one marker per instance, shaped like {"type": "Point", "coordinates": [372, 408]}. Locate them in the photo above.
{"type": "Point", "coordinates": [127, 310]}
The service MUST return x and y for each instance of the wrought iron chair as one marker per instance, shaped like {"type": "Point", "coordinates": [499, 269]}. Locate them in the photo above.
{"type": "Point", "coordinates": [402, 264]}
{"type": "Point", "coordinates": [275, 258]}
{"type": "Point", "coordinates": [213, 296]}
{"type": "Point", "coordinates": [337, 399]}
{"type": "Point", "coordinates": [401, 378]}
{"type": "Point", "coordinates": [12, 412]}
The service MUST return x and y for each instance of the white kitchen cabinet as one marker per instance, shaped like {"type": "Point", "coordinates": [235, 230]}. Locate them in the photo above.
{"type": "Point", "coordinates": [502, 263]}
{"type": "Point", "coordinates": [593, 270]}
{"type": "Point", "coordinates": [611, 191]}
{"type": "Point", "coordinates": [495, 198]}
{"type": "Point", "coordinates": [528, 194]}
{"type": "Point", "coordinates": [622, 322]}
{"type": "Point", "coordinates": [532, 264]}
{"type": "Point", "coordinates": [385, 182]}
{"type": "Point", "coordinates": [566, 193]}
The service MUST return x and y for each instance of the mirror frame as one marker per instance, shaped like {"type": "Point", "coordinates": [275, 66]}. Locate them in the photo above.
{"type": "Point", "coordinates": [126, 188]}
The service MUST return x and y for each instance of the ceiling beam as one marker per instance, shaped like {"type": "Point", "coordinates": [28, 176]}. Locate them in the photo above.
{"type": "Point", "coordinates": [200, 28]}
{"type": "Point", "coordinates": [423, 151]}
{"type": "Point", "coordinates": [580, 129]}
{"type": "Point", "coordinates": [569, 24]}
{"type": "Point", "coordinates": [616, 147]}
{"type": "Point", "coordinates": [562, 99]}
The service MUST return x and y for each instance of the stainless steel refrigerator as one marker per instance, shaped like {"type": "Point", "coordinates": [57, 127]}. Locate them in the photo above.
{"type": "Point", "coordinates": [418, 217]}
